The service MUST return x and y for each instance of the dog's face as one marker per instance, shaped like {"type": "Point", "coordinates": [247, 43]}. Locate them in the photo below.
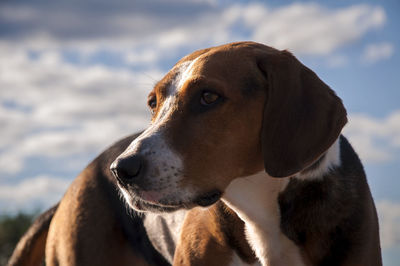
{"type": "Point", "coordinates": [208, 128]}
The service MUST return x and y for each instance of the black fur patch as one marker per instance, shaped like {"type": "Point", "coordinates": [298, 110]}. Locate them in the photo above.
{"type": "Point", "coordinates": [325, 216]}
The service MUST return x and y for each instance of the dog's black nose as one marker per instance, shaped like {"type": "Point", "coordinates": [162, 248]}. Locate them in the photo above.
{"type": "Point", "coordinates": [127, 168]}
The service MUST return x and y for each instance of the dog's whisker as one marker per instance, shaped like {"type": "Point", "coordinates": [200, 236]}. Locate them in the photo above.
{"type": "Point", "coordinates": [147, 75]}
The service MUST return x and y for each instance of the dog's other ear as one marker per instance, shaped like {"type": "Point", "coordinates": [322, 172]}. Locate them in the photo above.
{"type": "Point", "coordinates": [302, 116]}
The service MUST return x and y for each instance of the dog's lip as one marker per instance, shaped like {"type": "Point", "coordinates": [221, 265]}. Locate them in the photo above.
{"type": "Point", "coordinates": [204, 200]}
{"type": "Point", "coordinates": [152, 198]}
{"type": "Point", "coordinates": [141, 202]}
{"type": "Point", "coordinates": [143, 205]}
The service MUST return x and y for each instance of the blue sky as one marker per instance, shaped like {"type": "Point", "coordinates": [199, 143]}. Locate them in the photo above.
{"type": "Point", "coordinates": [74, 77]}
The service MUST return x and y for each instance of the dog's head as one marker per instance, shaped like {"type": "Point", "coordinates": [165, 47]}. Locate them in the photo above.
{"type": "Point", "coordinates": [223, 113]}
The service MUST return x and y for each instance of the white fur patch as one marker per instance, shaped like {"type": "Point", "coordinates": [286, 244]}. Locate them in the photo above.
{"type": "Point", "coordinates": [331, 160]}
{"type": "Point", "coordinates": [185, 71]}
{"type": "Point", "coordinates": [255, 200]}
{"type": "Point", "coordinates": [164, 230]}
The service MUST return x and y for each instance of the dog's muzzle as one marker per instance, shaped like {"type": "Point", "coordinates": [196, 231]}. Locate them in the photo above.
{"type": "Point", "coordinates": [130, 172]}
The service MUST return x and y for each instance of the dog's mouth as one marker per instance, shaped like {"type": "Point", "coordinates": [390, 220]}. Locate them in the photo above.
{"type": "Point", "coordinates": [140, 204]}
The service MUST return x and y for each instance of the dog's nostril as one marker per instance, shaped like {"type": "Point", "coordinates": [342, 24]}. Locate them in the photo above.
{"type": "Point", "coordinates": [127, 168]}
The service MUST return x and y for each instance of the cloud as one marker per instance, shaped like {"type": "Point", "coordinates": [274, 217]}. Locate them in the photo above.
{"type": "Point", "coordinates": [311, 28]}
{"type": "Point", "coordinates": [32, 193]}
{"type": "Point", "coordinates": [95, 19]}
{"type": "Point", "coordinates": [304, 28]}
{"type": "Point", "coordinates": [377, 52]}
{"type": "Point", "coordinates": [375, 140]}
{"type": "Point", "coordinates": [51, 108]}
{"type": "Point", "coordinates": [389, 223]}
{"type": "Point", "coordinates": [153, 30]}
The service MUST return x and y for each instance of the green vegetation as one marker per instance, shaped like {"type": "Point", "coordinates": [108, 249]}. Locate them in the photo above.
{"type": "Point", "coordinates": [11, 230]}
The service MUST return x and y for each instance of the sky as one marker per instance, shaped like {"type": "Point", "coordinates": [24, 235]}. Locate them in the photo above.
{"type": "Point", "coordinates": [74, 78]}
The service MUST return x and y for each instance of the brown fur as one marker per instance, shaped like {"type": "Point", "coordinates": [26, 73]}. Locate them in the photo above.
{"type": "Point", "coordinates": [211, 237]}
{"type": "Point", "coordinates": [85, 217]}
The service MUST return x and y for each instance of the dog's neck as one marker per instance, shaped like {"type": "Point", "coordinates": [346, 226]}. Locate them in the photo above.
{"type": "Point", "coordinates": [255, 200]}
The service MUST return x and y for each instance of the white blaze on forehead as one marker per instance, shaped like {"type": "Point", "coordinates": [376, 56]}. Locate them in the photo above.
{"type": "Point", "coordinates": [185, 72]}
{"type": "Point", "coordinates": [182, 73]}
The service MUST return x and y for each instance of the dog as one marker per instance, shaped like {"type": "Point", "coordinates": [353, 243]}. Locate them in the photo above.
{"type": "Point", "coordinates": [243, 163]}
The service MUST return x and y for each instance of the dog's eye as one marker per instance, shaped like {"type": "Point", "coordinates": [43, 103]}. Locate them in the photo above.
{"type": "Point", "coordinates": [208, 98]}
{"type": "Point", "coordinates": [152, 103]}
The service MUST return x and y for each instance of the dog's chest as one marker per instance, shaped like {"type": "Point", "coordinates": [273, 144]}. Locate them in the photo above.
{"type": "Point", "coordinates": [163, 231]}
{"type": "Point", "coordinates": [254, 199]}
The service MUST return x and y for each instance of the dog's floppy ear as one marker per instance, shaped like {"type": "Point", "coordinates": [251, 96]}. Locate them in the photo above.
{"type": "Point", "coordinates": [302, 116]}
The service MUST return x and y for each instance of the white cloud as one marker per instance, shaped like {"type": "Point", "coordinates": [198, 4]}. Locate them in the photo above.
{"type": "Point", "coordinates": [141, 57]}
{"type": "Point", "coordinates": [307, 28]}
{"type": "Point", "coordinates": [51, 108]}
{"type": "Point", "coordinates": [389, 223]}
{"type": "Point", "coordinates": [375, 140]}
{"type": "Point", "coordinates": [302, 28]}
{"type": "Point", "coordinates": [32, 193]}
{"type": "Point", "coordinates": [147, 36]}
{"type": "Point", "coordinates": [376, 52]}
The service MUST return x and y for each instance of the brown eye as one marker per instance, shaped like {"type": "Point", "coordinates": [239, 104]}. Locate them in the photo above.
{"type": "Point", "coordinates": [208, 98]}
{"type": "Point", "coordinates": [152, 103]}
